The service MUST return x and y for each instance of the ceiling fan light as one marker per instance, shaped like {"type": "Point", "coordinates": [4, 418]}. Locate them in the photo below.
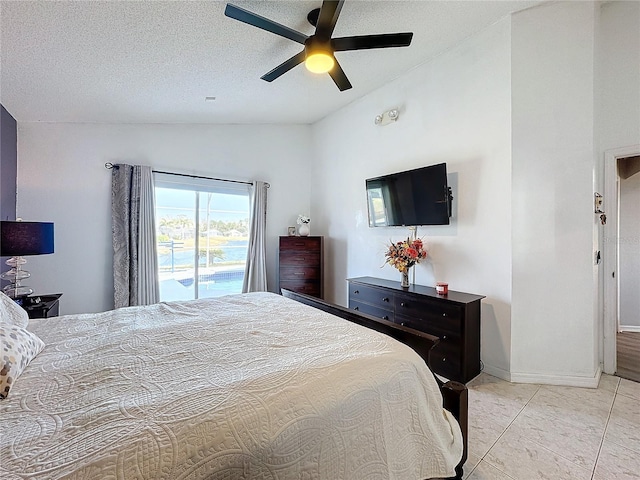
{"type": "Point", "coordinates": [319, 62]}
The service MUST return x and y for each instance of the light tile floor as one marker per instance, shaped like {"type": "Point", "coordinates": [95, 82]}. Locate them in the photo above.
{"type": "Point", "coordinates": [530, 432]}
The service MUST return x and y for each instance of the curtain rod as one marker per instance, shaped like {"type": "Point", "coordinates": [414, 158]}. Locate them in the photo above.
{"type": "Point", "coordinates": [110, 165]}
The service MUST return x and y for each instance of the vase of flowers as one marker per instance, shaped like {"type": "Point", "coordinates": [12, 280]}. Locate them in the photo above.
{"type": "Point", "coordinates": [303, 229]}
{"type": "Point", "coordinates": [404, 255]}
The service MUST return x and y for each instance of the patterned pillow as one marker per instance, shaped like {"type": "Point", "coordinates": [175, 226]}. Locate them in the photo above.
{"type": "Point", "coordinates": [17, 348]}
{"type": "Point", "coordinates": [12, 313]}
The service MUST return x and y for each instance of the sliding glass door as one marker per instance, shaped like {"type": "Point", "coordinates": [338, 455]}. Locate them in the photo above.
{"type": "Point", "coordinates": [202, 234]}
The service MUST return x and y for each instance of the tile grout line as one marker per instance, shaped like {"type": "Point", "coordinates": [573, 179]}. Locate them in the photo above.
{"type": "Point", "coordinates": [544, 446]}
{"type": "Point", "coordinates": [505, 431]}
{"type": "Point", "coordinates": [599, 448]}
{"type": "Point", "coordinates": [627, 395]}
{"type": "Point", "coordinates": [606, 427]}
{"type": "Point", "coordinates": [533, 441]}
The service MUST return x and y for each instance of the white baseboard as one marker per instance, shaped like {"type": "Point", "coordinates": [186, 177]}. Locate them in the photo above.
{"type": "Point", "coordinates": [564, 380]}
{"type": "Point", "coordinates": [497, 372]}
{"type": "Point", "coordinates": [629, 328]}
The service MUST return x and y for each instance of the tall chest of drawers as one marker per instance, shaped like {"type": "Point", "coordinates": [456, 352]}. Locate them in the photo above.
{"type": "Point", "coordinates": [300, 265]}
{"type": "Point", "coordinates": [454, 318]}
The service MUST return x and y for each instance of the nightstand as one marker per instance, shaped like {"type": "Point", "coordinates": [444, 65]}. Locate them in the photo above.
{"type": "Point", "coordinates": [48, 306]}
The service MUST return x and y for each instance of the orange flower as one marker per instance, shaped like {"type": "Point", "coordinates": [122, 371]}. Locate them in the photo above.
{"type": "Point", "coordinates": [405, 254]}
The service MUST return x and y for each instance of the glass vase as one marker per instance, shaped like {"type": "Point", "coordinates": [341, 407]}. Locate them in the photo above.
{"type": "Point", "coordinates": [405, 279]}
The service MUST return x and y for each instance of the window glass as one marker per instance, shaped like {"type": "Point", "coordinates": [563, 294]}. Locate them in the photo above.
{"type": "Point", "coordinates": [203, 236]}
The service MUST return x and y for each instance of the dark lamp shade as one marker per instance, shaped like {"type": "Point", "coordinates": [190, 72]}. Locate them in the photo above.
{"type": "Point", "coordinates": [19, 239]}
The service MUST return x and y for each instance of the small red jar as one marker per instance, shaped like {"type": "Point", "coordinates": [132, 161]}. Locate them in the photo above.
{"type": "Point", "coordinates": [442, 288]}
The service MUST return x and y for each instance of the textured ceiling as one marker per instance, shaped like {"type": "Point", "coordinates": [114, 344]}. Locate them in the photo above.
{"type": "Point", "coordinates": [155, 62]}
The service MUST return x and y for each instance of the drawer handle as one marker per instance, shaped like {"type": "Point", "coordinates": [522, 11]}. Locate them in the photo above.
{"type": "Point", "coordinates": [444, 359]}
{"type": "Point", "coordinates": [355, 292]}
{"type": "Point", "coordinates": [385, 299]}
{"type": "Point", "coordinates": [386, 317]}
{"type": "Point", "coordinates": [356, 308]}
{"type": "Point", "coordinates": [402, 323]}
{"type": "Point", "coordinates": [402, 304]}
{"type": "Point", "coordinates": [444, 337]}
{"type": "Point", "coordinates": [299, 273]}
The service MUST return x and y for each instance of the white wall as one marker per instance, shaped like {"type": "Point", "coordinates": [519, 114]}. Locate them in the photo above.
{"type": "Point", "coordinates": [62, 178]}
{"type": "Point", "coordinates": [619, 68]}
{"type": "Point", "coordinates": [618, 98]}
{"type": "Point", "coordinates": [454, 109]}
{"type": "Point", "coordinates": [629, 253]}
{"type": "Point", "coordinates": [554, 329]}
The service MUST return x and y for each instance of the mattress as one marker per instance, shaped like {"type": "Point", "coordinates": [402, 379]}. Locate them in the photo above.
{"type": "Point", "coordinates": [252, 386]}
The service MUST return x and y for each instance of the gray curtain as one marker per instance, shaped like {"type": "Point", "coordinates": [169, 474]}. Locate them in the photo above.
{"type": "Point", "coordinates": [255, 274]}
{"type": "Point", "coordinates": [135, 260]}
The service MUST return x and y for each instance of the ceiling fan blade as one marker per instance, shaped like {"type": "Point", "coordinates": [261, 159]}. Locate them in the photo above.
{"type": "Point", "coordinates": [339, 77]}
{"type": "Point", "coordinates": [363, 42]}
{"type": "Point", "coordinates": [284, 67]}
{"type": "Point", "coordinates": [328, 17]}
{"type": "Point", "coordinates": [263, 23]}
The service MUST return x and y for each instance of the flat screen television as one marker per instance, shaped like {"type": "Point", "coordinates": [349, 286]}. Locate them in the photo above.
{"type": "Point", "coordinates": [410, 198]}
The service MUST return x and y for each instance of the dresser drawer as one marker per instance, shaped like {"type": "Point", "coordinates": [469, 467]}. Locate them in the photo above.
{"type": "Point", "coordinates": [371, 310]}
{"type": "Point", "coordinates": [445, 356]}
{"type": "Point", "coordinates": [445, 361]}
{"type": "Point", "coordinates": [413, 305]}
{"type": "Point", "coordinates": [431, 316]}
{"type": "Point", "coordinates": [299, 258]}
{"type": "Point", "coordinates": [299, 273]}
{"type": "Point", "coordinates": [375, 296]}
{"type": "Point", "coordinates": [442, 329]}
{"type": "Point", "coordinates": [297, 244]}
{"type": "Point", "coordinates": [301, 286]}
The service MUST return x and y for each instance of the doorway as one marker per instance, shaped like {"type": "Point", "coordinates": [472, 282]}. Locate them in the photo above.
{"type": "Point", "coordinates": [622, 262]}
{"type": "Point", "coordinates": [628, 355]}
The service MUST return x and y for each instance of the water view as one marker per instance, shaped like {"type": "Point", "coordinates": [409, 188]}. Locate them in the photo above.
{"type": "Point", "coordinates": [221, 250]}
{"type": "Point", "coordinates": [234, 251]}
{"type": "Point", "coordinates": [177, 272]}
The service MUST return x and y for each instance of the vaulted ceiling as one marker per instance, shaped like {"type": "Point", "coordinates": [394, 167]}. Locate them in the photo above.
{"type": "Point", "coordinates": [156, 61]}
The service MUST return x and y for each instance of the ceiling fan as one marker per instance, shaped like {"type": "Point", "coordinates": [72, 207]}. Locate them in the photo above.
{"type": "Point", "coordinates": [319, 48]}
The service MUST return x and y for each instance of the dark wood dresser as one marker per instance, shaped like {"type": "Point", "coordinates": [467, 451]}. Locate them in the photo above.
{"type": "Point", "coordinates": [301, 265]}
{"type": "Point", "coordinates": [454, 317]}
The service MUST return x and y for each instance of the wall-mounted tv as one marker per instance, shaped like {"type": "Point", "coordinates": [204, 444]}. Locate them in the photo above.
{"type": "Point", "coordinates": [413, 197]}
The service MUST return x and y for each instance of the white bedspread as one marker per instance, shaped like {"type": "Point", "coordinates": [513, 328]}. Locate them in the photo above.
{"type": "Point", "coordinates": [249, 386]}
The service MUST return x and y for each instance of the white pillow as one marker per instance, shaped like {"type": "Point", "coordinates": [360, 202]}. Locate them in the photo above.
{"type": "Point", "coordinates": [17, 348]}
{"type": "Point", "coordinates": [11, 313]}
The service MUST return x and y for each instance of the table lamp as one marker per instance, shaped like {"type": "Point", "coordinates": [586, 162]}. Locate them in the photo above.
{"type": "Point", "coordinates": [20, 239]}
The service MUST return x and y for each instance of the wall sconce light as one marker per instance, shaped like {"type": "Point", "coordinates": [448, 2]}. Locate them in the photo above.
{"type": "Point", "coordinates": [387, 117]}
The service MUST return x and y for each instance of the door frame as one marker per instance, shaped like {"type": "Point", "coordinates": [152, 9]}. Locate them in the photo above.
{"type": "Point", "coordinates": [611, 279]}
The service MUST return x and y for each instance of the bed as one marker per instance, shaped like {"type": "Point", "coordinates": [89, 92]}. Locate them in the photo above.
{"type": "Point", "coordinates": [252, 386]}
